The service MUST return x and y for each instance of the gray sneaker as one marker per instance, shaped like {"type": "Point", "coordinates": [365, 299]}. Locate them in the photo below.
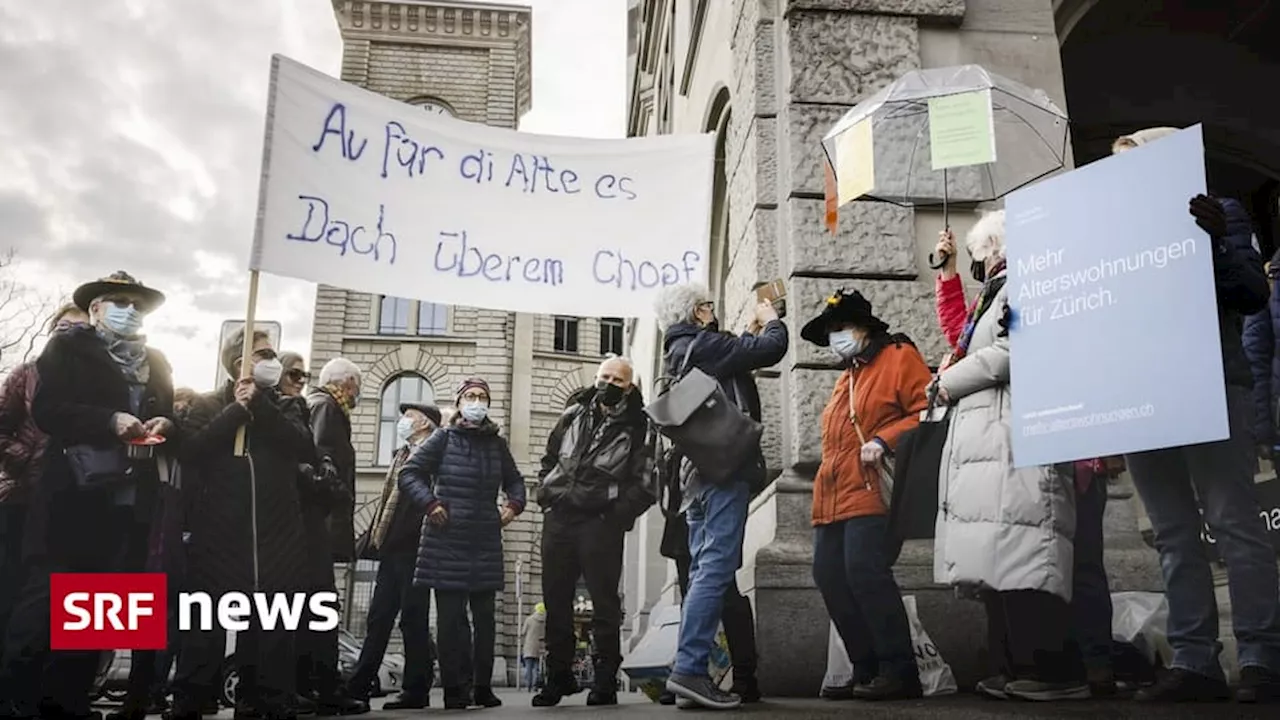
{"type": "Point", "coordinates": [702, 691]}
{"type": "Point", "coordinates": [1037, 691]}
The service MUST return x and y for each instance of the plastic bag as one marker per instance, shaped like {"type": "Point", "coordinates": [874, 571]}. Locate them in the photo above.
{"type": "Point", "coordinates": [935, 674]}
{"type": "Point", "coordinates": [1138, 618]}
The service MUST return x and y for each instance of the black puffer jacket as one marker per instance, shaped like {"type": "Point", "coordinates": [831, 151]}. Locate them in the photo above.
{"type": "Point", "coordinates": [596, 463]}
{"type": "Point", "coordinates": [462, 468]}
{"type": "Point", "coordinates": [246, 519]}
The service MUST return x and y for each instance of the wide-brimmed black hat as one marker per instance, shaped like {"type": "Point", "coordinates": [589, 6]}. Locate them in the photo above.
{"type": "Point", "coordinates": [431, 411]}
{"type": "Point", "coordinates": [841, 308]}
{"type": "Point", "coordinates": [119, 281]}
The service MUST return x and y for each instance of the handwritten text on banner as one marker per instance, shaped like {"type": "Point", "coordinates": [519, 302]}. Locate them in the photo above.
{"type": "Point", "coordinates": [363, 192]}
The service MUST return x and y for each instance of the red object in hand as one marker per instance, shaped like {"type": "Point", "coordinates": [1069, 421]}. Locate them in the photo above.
{"type": "Point", "coordinates": [148, 440]}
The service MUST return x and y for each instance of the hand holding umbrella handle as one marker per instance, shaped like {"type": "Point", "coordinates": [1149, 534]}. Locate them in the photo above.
{"type": "Point", "coordinates": [943, 259]}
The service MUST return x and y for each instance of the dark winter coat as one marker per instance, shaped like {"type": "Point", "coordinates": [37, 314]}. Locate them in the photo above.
{"type": "Point", "coordinates": [1242, 290]}
{"type": "Point", "coordinates": [462, 468]}
{"type": "Point", "coordinates": [331, 428]}
{"type": "Point", "coordinates": [81, 390]}
{"type": "Point", "coordinates": [731, 360]}
{"type": "Point", "coordinates": [21, 442]}
{"type": "Point", "coordinates": [596, 463]}
{"type": "Point", "coordinates": [246, 528]}
{"type": "Point", "coordinates": [1261, 331]}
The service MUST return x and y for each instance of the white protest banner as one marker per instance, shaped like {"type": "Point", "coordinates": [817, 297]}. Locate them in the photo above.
{"type": "Point", "coordinates": [367, 193]}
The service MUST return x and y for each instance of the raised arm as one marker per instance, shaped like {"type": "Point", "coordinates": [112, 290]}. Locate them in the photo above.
{"type": "Point", "coordinates": [982, 368]}
{"type": "Point", "coordinates": [951, 309]}
{"type": "Point", "coordinates": [1238, 275]}
{"type": "Point", "coordinates": [210, 427]}
{"type": "Point", "coordinates": [746, 352]}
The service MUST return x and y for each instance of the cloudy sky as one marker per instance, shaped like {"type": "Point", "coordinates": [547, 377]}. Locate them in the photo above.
{"type": "Point", "coordinates": [132, 133]}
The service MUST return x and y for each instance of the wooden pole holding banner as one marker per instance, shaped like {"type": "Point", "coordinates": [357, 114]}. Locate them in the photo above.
{"type": "Point", "coordinates": [246, 356]}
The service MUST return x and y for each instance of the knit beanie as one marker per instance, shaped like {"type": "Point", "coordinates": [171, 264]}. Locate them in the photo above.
{"type": "Point", "coordinates": [469, 384]}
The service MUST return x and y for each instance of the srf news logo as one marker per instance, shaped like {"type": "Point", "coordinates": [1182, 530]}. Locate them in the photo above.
{"type": "Point", "coordinates": [130, 611]}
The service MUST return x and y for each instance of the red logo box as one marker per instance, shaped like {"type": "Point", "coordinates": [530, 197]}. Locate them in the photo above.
{"type": "Point", "coordinates": [108, 611]}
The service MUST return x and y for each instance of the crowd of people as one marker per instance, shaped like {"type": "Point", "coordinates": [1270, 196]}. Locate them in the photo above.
{"type": "Point", "coordinates": [251, 487]}
{"type": "Point", "coordinates": [1025, 542]}
{"type": "Point", "coordinates": [248, 488]}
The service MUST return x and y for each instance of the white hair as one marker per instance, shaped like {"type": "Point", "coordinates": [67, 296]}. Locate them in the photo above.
{"type": "Point", "coordinates": [338, 371]}
{"type": "Point", "coordinates": [1141, 137]}
{"type": "Point", "coordinates": [986, 238]}
{"type": "Point", "coordinates": [677, 303]}
{"type": "Point", "coordinates": [626, 361]}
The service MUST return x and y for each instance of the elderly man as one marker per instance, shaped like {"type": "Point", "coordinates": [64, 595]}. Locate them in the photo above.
{"type": "Point", "coordinates": [330, 531]}
{"type": "Point", "coordinates": [394, 535]}
{"type": "Point", "coordinates": [1175, 484]}
{"type": "Point", "coordinates": [595, 483]}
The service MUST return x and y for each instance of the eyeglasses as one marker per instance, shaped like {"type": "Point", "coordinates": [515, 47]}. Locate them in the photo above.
{"type": "Point", "coordinates": [706, 304]}
{"type": "Point", "coordinates": [123, 301]}
{"type": "Point", "coordinates": [475, 397]}
{"type": "Point", "coordinates": [298, 376]}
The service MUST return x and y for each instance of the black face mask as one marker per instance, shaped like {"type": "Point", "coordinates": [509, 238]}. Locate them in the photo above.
{"type": "Point", "coordinates": [978, 269]}
{"type": "Point", "coordinates": [714, 325]}
{"type": "Point", "coordinates": [609, 394]}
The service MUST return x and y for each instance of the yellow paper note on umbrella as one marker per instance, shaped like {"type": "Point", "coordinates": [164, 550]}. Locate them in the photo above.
{"type": "Point", "coordinates": [855, 162]}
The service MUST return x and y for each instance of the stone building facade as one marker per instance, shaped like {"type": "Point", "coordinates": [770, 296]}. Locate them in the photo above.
{"type": "Point", "coordinates": [769, 78]}
{"type": "Point", "coordinates": [471, 60]}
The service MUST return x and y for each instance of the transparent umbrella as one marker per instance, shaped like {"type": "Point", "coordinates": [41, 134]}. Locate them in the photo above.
{"type": "Point", "coordinates": [1030, 138]}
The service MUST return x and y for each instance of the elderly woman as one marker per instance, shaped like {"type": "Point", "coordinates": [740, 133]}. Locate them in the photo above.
{"type": "Point", "coordinates": [1091, 591]}
{"type": "Point", "coordinates": [1003, 531]}
{"type": "Point", "coordinates": [878, 397]}
{"type": "Point", "coordinates": [716, 514]}
{"type": "Point", "coordinates": [455, 477]}
{"type": "Point", "coordinates": [295, 377]}
{"type": "Point", "coordinates": [101, 387]}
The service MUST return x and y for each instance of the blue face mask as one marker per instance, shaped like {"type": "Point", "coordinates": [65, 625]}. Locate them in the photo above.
{"type": "Point", "coordinates": [844, 343]}
{"type": "Point", "coordinates": [475, 413]}
{"type": "Point", "coordinates": [126, 320]}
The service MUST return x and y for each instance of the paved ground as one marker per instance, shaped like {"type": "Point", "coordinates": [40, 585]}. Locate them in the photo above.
{"type": "Point", "coordinates": [958, 707]}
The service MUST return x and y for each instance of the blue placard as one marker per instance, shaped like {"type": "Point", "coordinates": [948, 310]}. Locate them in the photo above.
{"type": "Point", "coordinates": [1114, 347]}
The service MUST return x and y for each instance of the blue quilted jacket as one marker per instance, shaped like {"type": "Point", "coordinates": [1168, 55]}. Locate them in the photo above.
{"type": "Point", "coordinates": [1261, 330]}
{"type": "Point", "coordinates": [462, 468]}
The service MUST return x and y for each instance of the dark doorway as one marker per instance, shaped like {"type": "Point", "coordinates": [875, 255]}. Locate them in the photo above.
{"type": "Point", "coordinates": [1132, 64]}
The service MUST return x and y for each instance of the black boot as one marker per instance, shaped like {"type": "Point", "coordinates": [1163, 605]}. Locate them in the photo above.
{"type": "Point", "coordinates": [745, 685]}
{"type": "Point", "coordinates": [484, 697]}
{"type": "Point", "coordinates": [339, 703]}
{"type": "Point", "coordinates": [456, 699]}
{"type": "Point", "coordinates": [409, 701]}
{"type": "Point", "coordinates": [559, 685]}
{"type": "Point", "coordinates": [604, 691]}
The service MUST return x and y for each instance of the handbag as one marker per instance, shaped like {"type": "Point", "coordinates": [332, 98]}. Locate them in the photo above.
{"type": "Point", "coordinates": [914, 513]}
{"type": "Point", "coordinates": [885, 467]}
{"type": "Point", "coordinates": [95, 467]}
{"type": "Point", "coordinates": [700, 420]}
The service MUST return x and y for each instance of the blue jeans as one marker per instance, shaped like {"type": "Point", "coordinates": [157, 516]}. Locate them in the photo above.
{"type": "Point", "coordinates": [717, 518]}
{"type": "Point", "coordinates": [1220, 476]}
{"type": "Point", "coordinates": [530, 667]}
{"type": "Point", "coordinates": [1091, 592]}
{"type": "Point", "coordinates": [851, 570]}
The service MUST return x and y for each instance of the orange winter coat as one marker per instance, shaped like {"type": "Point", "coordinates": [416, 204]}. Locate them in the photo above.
{"type": "Point", "coordinates": [888, 396]}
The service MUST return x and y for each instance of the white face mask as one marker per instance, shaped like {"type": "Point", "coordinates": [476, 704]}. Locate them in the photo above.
{"type": "Point", "coordinates": [404, 429]}
{"type": "Point", "coordinates": [267, 373]}
{"type": "Point", "coordinates": [475, 412]}
{"type": "Point", "coordinates": [844, 343]}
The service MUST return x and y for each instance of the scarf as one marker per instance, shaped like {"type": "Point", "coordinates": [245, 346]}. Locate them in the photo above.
{"type": "Point", "coordinates": [980, 305]}
{"type": "Point", "coordinates": [340, 397]}
{"type": "Point", "coordinates": [130, 354]}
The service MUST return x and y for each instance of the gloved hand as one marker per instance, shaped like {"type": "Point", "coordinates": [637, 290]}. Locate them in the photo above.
{"type": "Point", "coordinates": [872, 452]}
{"type": "Point", "coordinates": [1210, 216]}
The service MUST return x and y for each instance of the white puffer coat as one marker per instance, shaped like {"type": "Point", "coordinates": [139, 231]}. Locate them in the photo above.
{"type": "Point", "coordinates": [998, 528]}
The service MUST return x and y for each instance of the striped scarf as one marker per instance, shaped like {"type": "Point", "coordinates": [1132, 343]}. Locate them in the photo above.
{"type": "Point", "coordinates": [995, 281]}
{"type": "Point", "coordinates": [340, 397]}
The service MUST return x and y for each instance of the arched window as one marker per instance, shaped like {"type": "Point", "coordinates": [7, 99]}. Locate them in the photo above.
{"type": "Point", "coordinates": [407, 388]}
{"type": "Point", "coordinates": [718, 123]}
